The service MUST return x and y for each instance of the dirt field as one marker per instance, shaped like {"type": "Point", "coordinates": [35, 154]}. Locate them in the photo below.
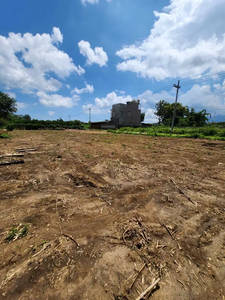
{"type": "Point", "coordinates": [104, 215]}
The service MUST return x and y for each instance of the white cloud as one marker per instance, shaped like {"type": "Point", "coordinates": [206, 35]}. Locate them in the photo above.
{"type": "Point", "coordinates": [68, 86]}
{"type": "Point", "coordinates": [11, 95]}
{"type": "Point", "coordinates": [55, 100]}
{"type": "Point", "coordinates": [151, 98]}
{"type": "Point", "coordinates": [97, 56]}
{"type": "Point", "coordinates": [27, 61]}
{"type": "Point", "coordinates": [20, 105]}
{"type": "Point", "coordinates": [88, 89]}
{"type": "Point", "coordinates": [103, 105]}
{"type": "Point", "coordinates": [187, 40]}
{"type": "Point", "coordinates": [120, 92]}
{"type": "Point", "coordinates": [51, 113]}
{"type": "Point", "coordinates": [35, 103]}
{"type": "Point", "coordinates": [198, 97]}
{"type": "Point", "coordinates": [89, 1]}
{"type": "Point", "coordinates": [110, 99]}
{"type": "Point", "coordinates": [150, 116]}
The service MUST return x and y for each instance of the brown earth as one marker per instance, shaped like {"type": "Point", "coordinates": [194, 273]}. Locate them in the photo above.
{"type": "Point", "coordinates": [106, 214]}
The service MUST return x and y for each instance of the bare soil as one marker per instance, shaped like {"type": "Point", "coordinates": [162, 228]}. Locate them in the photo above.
{"type": "Point", "coordinates": [107, 214]}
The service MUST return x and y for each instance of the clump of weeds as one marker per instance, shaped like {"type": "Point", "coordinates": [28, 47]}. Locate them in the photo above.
{"type": "Point", "coordinates": [17, 232]}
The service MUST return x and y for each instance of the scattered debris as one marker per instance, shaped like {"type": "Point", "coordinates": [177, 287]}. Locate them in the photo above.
{"type": "Point", "coordinates": [149, 289]}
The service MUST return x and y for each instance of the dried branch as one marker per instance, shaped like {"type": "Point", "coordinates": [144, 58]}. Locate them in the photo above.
{"type": "Point", "coordinates": [149, 289]}
{"type": "Point", "coordinates": [181, 192]}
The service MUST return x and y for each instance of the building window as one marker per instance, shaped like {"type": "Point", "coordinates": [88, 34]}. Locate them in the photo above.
{"type": "Point", "coordinates": [128, 113]}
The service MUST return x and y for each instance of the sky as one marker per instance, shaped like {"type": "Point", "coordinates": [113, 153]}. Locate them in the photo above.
{"type": "Point", "coordinates": [60, 58]}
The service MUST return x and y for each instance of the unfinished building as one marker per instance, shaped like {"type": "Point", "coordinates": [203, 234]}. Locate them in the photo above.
{"type": "Point", "coordinates": [126, 115]}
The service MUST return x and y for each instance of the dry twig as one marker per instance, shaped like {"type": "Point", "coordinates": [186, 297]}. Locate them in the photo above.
{"type": "Point", "coordinates": [136, 277]}
{"type": "Point", "coordinates": [167, 229]}
{"type": "Point", "coordinates": [181, 192]}
{"type": "Point", "coordinates": [149, 289]}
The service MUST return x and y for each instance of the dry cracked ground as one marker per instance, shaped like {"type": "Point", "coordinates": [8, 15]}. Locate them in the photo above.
{"type": "Point", "coordinates": [93, 215]}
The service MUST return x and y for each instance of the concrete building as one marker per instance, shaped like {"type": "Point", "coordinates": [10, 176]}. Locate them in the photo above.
{"type": "Point", "coordinates": [126, 115]}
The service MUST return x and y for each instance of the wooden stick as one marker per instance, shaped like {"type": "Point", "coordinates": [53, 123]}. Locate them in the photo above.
{"type": "Point", "coordinates": [12, 155]}
{"type": "Point", "coordinates": [142, 228]}
{"type": "Point", "coordinates": [167, 229]}
{"type": "Point", "coordinates": [15, 162]}
{"type": "Point", "coordinates": [136, 277]}
{"type": "Point", "coordinates": [181, 192]}
{"type": "Point", "coordinates": [70, 237]}
{"type": "Point", "coordinates": [149, 289]}
{"type": "Point", "coordinates": [25, 150]}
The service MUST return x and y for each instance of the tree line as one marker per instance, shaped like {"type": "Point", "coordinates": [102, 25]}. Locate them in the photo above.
{"type": "Point", "coordinates": [185, 117]}
{"type": "Point", "coordinates": [10, 120]}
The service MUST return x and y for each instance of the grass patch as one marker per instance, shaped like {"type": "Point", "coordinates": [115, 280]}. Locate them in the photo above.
{"type": "Point", "coordinates": [4, 136]}
{"type": "Point", "coordinates": [17, 232]}
{"type": "Point", "coordinates": [208, 132]}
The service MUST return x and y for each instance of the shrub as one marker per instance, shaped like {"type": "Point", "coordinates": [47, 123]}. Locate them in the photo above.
{"type": "Point", "coordinates": [10, 127]}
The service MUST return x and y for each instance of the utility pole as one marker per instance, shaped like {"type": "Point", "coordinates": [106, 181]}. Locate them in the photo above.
{"type": "Point", "coordinates": [69, 117]}
{"type": "Point", "coordinates": [90, 116]}
{"type": "Point", "coordinates": [177, 86]}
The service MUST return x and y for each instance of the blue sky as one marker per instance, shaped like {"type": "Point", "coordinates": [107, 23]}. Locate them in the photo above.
{"type": "Point", "coordinates": [58, 58]}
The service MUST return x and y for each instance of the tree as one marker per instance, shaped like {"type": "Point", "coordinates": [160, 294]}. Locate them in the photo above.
{"type": "Point", "coordinates": [7, 106]}
{"type": "Point", "coordinates": [198, 119]}
{"type": "Point", "coordinates": [164, 112]}
{"type": "Point", "coordinates": [142, 117]}
{"type": "Point", "coordinates": [184, 116]}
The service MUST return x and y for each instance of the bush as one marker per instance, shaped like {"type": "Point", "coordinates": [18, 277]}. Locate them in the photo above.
{"type": "Point", "coordinates": [209, 131]}
{"type": "Point", "coordinates": [10, 127]}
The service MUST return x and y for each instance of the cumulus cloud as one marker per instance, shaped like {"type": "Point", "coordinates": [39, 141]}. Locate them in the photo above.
{"type": "Point", "coordinates": [96, 56]}
{"type": "Point", "coordinates": [199, 97]}
{"type": "Point", "coordinates": [103, 105]}
{"type": "Point", "coordinates": [110, 99]}
{"type": "Point", "coordinates": [84, 2]}
{"type": "Point", "coordinates": [120, 92]}
{"type": "Point", "coordinates": [89, 1]}
{"type": "Point", "coordinates": [51, 113]}
{"type": "Point", "coordinates": [56, 100]}
{"type": "Point", "coordinates": [88, 89]}
{"type": "Point", "coordinates": [11, 95]}
{"type": "Point", "coordinates": [187, 40]}
{"type": "Point", "coordinates": [27, 62]}
{"type": "Point", "coordinates": [20, 105]}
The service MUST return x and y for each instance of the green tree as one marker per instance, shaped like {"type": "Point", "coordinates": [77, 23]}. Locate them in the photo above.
{"type": "Point", "coordinates": [142, 117]}
{"type": "Point", "coordinates": [198, 119]}
{"type": "Point", "coordinates": [27, 118]}
{"type": "Point", "coordinates": [164, 112]}
{"type": "Point", "coordinates": [7, 106]}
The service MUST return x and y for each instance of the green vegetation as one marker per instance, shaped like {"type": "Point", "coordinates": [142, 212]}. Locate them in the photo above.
{"type": "Point", "coordinates": [9, 120]}
{"type": "Point", "coordinates": [185, 116]}
{"type": "Point", "coordinates": [25, 123]}
{"type": "Point", "coordinates": [17, 232]}
{"type": "Point", "coordinates": [209, 132]}
{"type": "Point", "coordinates": [7, 106]}
{"type": "Point", "coordinates": [3, 136]}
